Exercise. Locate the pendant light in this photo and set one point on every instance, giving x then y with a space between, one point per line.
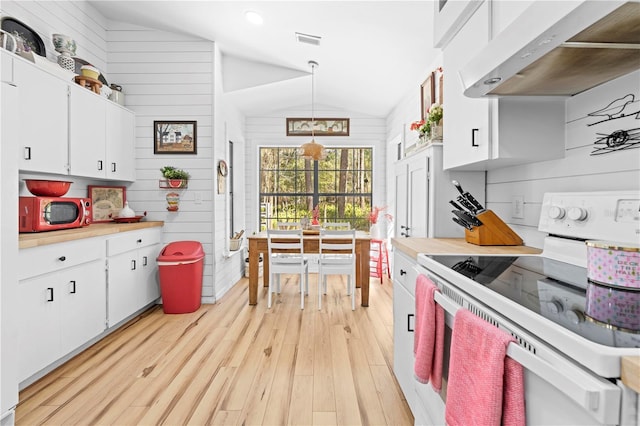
312 150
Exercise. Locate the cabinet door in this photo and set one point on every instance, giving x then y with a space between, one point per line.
83 304
403 326
418 188
43 105
148 271
120 143
87 133
401 199
39 327
123 294
466 125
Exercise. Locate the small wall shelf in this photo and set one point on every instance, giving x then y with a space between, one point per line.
173 184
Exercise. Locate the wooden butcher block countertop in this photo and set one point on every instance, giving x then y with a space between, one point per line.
36 239
412 246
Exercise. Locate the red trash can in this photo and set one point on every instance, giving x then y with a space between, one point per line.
180 267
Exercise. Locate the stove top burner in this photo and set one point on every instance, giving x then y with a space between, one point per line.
553 289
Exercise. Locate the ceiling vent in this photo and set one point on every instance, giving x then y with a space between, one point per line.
308 39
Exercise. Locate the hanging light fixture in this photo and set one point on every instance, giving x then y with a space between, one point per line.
312 150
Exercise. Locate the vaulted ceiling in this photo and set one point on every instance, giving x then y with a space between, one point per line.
370 54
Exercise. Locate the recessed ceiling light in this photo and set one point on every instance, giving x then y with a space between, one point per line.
253 17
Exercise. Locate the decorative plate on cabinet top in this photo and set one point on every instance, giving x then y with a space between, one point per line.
31 41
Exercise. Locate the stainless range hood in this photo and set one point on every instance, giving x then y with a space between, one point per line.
558 48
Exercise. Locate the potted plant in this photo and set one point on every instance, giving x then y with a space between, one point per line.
176 178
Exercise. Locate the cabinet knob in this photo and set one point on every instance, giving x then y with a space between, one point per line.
403 272
139 241
62 258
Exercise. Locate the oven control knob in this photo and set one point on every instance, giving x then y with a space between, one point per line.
575 316
556 212
577 213
555 306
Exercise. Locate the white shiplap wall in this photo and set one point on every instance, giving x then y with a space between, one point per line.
270 130
165 76
578 171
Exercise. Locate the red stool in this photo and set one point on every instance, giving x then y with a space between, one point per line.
379 260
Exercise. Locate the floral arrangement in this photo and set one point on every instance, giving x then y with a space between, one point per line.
375 211
435 113
315 215
423 127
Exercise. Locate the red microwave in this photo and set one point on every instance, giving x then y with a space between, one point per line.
39 214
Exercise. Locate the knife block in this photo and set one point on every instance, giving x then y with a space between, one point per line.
492 232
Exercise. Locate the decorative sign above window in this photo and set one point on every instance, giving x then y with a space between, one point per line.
174 137
322 126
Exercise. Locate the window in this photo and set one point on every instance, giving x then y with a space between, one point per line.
340 185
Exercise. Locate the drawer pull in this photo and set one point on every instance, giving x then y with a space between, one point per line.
473 137
27 153
403 272
62 258
409 329
49 294
133 265
113 167
99 164
73 287
145 261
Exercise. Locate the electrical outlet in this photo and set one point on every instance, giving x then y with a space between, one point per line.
517 207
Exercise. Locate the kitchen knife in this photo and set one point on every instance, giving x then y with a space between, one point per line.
456 205
469 218
462 223
468 197
467 205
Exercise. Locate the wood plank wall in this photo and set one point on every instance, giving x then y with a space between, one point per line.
165 76
578 171
270 130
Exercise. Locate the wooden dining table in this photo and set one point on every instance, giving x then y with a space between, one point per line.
258 245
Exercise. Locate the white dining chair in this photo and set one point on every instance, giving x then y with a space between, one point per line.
336 225
337 257
288 225
286 256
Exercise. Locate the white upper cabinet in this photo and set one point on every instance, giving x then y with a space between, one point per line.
68 129
481 134
44 118
120 138
87 133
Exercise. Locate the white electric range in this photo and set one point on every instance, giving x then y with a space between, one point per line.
572 363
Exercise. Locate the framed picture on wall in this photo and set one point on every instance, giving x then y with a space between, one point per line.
427 95
321 126
175 137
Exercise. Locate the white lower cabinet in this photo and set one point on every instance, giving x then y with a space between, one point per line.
426 405
132 272
62 303
404 277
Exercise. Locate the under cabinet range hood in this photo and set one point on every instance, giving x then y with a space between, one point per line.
558 48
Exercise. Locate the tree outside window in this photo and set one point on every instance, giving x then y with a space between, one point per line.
340 185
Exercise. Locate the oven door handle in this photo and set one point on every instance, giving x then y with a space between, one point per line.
596 395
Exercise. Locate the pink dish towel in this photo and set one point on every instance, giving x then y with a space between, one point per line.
485 386
428 337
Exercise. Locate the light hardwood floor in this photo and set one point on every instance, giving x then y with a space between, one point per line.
231 363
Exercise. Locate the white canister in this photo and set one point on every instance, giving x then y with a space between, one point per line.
116 94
